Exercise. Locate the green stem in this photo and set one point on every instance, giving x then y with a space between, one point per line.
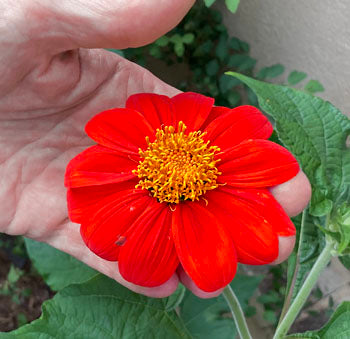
237 313
289 295
305 291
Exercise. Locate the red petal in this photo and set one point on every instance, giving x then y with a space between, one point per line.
257 163
121 129
82 201
204 247
192 109
148 257
238 124
215 112
99 165
266 206
157 109
105 231
253 234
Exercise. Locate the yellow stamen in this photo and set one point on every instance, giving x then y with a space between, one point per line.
177 166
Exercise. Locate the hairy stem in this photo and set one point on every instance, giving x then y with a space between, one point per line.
305 291
289 295
237 313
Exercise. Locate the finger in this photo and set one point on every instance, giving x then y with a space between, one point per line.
293 195
285 245
68 240
188 282
108 23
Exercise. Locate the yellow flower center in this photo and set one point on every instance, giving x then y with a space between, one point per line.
177 166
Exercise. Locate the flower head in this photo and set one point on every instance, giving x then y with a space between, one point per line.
177 181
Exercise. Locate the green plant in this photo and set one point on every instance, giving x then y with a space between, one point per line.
93 306
201 43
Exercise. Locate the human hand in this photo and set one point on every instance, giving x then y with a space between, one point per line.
52 84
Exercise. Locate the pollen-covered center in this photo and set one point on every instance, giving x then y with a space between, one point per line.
178 166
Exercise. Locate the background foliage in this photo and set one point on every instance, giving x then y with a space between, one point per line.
88 305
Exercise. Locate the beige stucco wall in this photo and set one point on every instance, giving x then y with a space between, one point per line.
311 36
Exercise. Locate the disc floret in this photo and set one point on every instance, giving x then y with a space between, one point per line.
178 166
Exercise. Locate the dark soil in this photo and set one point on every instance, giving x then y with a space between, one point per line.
20 302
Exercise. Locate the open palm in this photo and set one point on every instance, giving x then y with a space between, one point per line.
52 84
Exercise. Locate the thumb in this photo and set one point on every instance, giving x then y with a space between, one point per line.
108 23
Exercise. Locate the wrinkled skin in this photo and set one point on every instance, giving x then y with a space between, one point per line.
52 84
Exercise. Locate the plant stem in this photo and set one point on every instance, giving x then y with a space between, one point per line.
237 313
305 290
289 295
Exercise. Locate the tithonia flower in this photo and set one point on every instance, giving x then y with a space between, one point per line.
177 181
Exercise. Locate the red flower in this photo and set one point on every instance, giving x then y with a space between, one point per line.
156 192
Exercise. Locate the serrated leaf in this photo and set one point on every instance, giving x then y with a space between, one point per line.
232 5
208 3
314 131
310 242
338 326
314 86
270 72
295 77
57 268
205 318
101 308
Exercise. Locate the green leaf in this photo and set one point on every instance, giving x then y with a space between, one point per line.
270 72
314 86
345 260
57 268
207 318
221 50
162 41
203 49
101 308
310 242
295 77
270 297
241 62
14 274
179 49
188 38
212 67
155 51
232 5
21 319
226 83
234 98
315 132
252 98
238 45
270 316
208 3
338 326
